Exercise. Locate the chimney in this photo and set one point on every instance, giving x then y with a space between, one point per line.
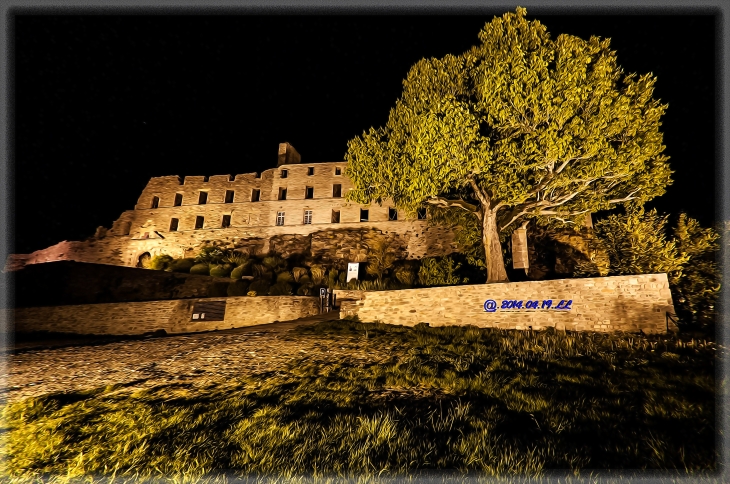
288 155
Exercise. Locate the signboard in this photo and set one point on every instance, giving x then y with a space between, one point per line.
322 292
352 270
520 259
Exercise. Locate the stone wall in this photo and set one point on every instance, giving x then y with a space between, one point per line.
620 303
174 316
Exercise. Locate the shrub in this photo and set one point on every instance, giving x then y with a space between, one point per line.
210 255
251 293
220 270
305 289
237 272
260 271
332 278
343 276
260 287
280 289
405 275
317 274
238 288
181 265
237 258
380 258
160 262
298 272
284 277
275 263
201 269
436 271
305 279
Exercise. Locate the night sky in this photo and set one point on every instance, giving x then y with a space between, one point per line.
104 103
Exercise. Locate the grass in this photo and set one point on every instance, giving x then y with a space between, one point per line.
449 399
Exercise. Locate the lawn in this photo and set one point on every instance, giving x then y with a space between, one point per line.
450 400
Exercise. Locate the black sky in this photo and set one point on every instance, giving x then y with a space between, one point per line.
103 103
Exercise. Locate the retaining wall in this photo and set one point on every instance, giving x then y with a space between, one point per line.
134 318
620 303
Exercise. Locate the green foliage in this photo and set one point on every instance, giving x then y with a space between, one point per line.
280 289
332 276
237 258
238 272
275 263
260 286
238 288
467 231
298 272
439 271
380 258
317 272
260 271
342 278
220 270
305 279
182 265
306 289
285 276
210 255
202 269
406 275
527 126
160 262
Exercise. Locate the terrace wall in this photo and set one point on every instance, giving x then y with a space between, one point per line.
620 303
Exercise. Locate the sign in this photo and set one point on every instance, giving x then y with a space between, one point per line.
322 292
511 305
352 270
520 259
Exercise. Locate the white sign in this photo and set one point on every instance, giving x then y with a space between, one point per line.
322 292
352 270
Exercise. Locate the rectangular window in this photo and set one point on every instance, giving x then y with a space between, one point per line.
178 199
209 311
279 218
310 171
199 222
173 225
309 192
335 216
338 171
421 214
255 195
226 221
307 216
363 215
229 196
392 214
155 202
337 190
203 198
231 177
282 193
284 173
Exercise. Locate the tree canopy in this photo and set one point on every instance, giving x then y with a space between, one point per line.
519 127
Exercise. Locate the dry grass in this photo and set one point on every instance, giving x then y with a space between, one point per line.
450 399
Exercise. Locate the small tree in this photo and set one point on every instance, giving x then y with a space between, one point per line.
380 258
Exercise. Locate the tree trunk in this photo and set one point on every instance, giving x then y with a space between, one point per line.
492 248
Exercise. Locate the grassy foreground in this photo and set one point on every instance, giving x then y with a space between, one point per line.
451 399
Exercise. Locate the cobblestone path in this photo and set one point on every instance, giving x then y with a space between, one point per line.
197 359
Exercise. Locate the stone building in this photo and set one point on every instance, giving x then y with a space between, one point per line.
294 208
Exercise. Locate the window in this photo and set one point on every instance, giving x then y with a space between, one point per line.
282 193
257 175
199 222
310 171
155 202
363 215
209 311
205 179
226 221
392 214
229 196
279 218
231 177
309 192
173 225
178 199
335 216
337 190
203 198
421 214
126 227
307 216
338 171
255 195
283 173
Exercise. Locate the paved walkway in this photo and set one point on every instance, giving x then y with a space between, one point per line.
195 359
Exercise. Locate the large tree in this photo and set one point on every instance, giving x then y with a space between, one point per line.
519 127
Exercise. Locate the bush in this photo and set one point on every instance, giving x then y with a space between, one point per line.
280 289
332 278
380 258
238 288
241 271
237 258
284 277
251 293
275 263
209 255
317 274
341 279
201 269
160 262
305 279
305 289
298 272
405 275
220 270
181 265
436 271
260 287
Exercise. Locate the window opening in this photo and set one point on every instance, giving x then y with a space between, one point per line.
310 171
231 177
226 221
335 216
255 195
309 192
257 175
279 218
178 199
283 173
282 193
421 214
338 171
199 222
307 216
203 198
392 214
173 225
229 196
337 190
205 179
155 202
363 215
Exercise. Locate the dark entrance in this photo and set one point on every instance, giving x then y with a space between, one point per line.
143 260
